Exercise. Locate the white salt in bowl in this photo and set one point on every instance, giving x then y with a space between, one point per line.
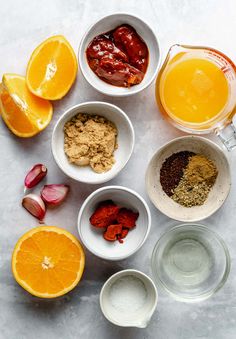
218 192
122 154
114 309
92 237
106 24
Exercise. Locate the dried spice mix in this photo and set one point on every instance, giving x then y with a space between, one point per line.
188 177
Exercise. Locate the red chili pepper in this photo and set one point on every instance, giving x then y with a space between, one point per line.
127 218
104 215
124 233
112 232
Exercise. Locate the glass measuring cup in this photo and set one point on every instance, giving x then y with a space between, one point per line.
219 123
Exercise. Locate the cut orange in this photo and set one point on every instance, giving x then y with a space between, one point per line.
52 68
24 113
48 261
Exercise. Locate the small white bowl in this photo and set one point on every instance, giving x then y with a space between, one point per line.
125 140
92 237
139 318
106 24
218 193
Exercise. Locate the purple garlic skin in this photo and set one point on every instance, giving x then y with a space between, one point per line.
54 194
35 175
34 205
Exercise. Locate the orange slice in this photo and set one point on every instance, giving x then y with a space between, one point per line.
52 68
24 113
48 261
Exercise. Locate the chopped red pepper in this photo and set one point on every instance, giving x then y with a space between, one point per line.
123 234
112 232
104 215
117 221
127 218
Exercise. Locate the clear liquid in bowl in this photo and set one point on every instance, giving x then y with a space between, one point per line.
190 262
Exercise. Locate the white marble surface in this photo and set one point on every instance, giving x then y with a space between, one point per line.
77 315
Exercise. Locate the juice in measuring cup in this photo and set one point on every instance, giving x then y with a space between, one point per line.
193 89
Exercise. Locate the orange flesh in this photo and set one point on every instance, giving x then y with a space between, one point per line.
14 116
48 263
52 69
24 113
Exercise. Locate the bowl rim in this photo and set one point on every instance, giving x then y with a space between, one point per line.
111 188
202 296
113 107
115 277
117 94
209 143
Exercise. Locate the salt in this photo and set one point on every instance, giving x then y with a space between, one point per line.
128 294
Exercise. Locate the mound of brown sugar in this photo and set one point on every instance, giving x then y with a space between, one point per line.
90 140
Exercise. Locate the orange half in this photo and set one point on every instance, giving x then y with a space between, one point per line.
48 261
24 113
52 68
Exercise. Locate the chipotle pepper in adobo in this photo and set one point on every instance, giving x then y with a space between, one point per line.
119 57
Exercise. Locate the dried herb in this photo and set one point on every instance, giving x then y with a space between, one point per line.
187 178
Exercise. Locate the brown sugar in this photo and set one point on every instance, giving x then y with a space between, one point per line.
90 140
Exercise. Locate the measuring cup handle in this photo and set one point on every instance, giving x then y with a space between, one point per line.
228 136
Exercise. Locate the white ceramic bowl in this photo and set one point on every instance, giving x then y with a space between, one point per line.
92 237
135 319
125 141
106 24
218 193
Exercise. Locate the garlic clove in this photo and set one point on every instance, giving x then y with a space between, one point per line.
35 175
54 194
34 205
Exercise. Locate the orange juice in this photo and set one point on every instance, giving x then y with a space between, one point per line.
193 90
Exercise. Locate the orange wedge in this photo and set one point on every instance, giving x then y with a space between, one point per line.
52 68
24 113
48 261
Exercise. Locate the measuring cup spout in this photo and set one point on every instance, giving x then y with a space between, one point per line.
144 322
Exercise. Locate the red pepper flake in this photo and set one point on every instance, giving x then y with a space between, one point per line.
117 221
124 233
112 232
105 214
127 218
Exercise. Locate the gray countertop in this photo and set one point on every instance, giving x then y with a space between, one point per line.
23 25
